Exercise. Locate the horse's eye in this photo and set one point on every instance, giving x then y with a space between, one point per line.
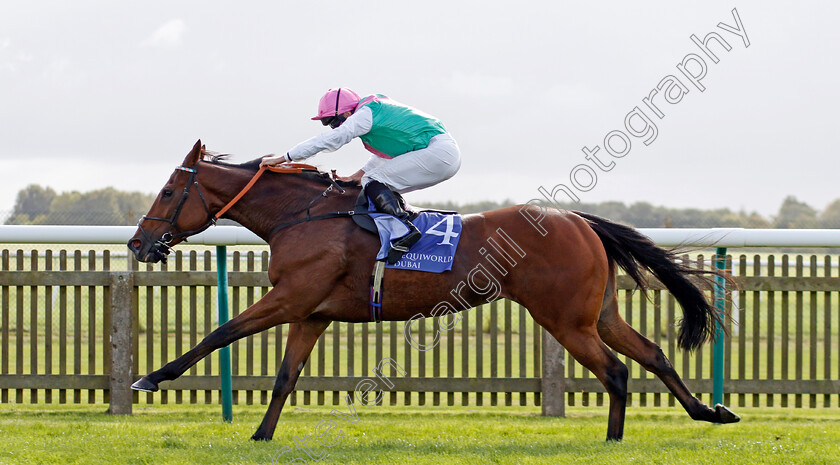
166 193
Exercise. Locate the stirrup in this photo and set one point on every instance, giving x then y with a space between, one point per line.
395 253
402 245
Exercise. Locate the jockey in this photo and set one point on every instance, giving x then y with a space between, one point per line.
411 150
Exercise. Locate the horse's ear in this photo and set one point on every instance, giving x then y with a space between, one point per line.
194 156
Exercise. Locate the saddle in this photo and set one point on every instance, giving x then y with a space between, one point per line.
361 212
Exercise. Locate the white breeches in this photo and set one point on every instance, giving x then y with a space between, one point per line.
419 169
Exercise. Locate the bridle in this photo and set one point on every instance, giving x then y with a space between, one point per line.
164 243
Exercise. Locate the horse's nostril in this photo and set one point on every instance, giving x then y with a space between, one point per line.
135 244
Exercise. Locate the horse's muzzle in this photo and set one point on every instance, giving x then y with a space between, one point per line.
148 252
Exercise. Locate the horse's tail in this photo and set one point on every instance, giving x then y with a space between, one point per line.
633 251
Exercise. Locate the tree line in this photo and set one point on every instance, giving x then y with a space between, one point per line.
42 205
103 207
792 214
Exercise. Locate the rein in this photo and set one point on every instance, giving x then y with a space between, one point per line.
168 237
286 168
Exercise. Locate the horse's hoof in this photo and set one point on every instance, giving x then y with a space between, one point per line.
725 415
259 437
144 385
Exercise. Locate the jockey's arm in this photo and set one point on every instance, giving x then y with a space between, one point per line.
371 164
357 176
357 124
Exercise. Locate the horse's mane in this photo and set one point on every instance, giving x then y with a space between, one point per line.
254 165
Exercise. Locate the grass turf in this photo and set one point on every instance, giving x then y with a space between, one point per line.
181 434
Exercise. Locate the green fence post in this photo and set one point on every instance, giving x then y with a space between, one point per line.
224 352
720 301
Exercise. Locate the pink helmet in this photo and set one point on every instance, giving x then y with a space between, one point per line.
336 102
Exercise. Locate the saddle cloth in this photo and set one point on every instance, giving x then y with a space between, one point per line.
435 250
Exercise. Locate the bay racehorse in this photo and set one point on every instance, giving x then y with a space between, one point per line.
559 265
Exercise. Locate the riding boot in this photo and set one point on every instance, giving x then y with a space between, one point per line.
386 201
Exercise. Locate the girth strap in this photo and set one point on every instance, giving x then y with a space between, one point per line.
376 291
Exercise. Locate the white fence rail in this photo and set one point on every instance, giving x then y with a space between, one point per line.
237 235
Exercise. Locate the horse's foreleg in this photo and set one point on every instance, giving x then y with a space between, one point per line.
264 314
621 337
301 340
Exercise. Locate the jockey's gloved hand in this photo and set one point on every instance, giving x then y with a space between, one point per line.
274 160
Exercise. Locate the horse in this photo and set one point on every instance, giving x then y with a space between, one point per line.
560 265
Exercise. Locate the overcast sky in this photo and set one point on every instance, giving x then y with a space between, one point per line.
96 94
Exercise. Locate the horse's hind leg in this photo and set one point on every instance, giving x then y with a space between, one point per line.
588 349
301 340
583 343
617 334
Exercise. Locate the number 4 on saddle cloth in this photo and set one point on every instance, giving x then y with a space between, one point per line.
434 251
